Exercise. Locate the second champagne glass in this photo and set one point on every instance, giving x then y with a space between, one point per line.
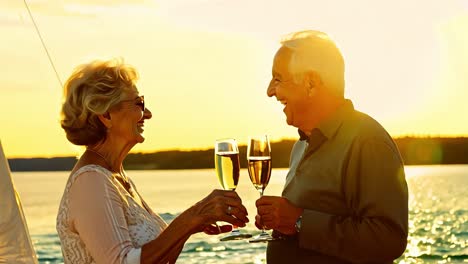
227 168
259 166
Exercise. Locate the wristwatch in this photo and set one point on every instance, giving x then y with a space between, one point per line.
298 224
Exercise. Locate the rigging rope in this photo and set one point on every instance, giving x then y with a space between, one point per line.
43 43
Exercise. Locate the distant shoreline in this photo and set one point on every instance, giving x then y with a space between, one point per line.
414 151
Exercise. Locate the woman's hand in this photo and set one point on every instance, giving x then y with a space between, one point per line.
219 205
215 229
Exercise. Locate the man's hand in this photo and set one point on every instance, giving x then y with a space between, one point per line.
277 213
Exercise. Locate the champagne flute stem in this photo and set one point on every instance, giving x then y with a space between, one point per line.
235 228
261 195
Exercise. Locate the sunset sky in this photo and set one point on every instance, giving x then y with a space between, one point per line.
205 64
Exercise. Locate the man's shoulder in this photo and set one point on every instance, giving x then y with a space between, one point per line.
363 126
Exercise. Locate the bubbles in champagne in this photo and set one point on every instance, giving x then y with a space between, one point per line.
227 168
259 171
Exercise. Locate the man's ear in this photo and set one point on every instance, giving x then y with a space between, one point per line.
105 119
313 82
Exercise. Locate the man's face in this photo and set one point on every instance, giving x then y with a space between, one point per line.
292 95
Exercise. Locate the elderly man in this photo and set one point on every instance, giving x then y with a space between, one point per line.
345 199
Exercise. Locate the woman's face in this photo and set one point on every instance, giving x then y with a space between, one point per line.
128 119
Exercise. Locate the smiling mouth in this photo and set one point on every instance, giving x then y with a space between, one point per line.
284 103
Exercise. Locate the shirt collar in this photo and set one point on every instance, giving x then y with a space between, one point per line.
330 126
302 135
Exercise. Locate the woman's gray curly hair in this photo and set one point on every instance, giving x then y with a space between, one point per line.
91 90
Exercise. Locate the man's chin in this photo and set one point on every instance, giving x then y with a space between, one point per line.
291 123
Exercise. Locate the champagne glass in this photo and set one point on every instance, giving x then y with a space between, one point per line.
259 166
227 168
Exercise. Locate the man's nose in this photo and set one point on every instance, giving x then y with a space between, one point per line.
271 90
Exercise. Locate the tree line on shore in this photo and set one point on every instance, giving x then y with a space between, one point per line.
414 151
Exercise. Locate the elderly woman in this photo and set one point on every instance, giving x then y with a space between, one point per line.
102 217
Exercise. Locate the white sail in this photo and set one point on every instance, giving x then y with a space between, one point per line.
15 242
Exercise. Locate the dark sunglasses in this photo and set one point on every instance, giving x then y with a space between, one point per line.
140 103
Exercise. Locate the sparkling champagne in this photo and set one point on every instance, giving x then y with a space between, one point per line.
259 166
227 168
259 171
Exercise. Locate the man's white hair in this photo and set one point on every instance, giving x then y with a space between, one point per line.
315 51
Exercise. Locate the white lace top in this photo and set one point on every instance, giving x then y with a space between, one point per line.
100 222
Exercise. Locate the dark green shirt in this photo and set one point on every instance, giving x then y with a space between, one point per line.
349 178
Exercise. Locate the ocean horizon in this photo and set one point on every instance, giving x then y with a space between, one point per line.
438 217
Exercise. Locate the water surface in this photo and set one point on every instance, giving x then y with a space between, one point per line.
438 220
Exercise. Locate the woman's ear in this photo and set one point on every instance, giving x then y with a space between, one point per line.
105 119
